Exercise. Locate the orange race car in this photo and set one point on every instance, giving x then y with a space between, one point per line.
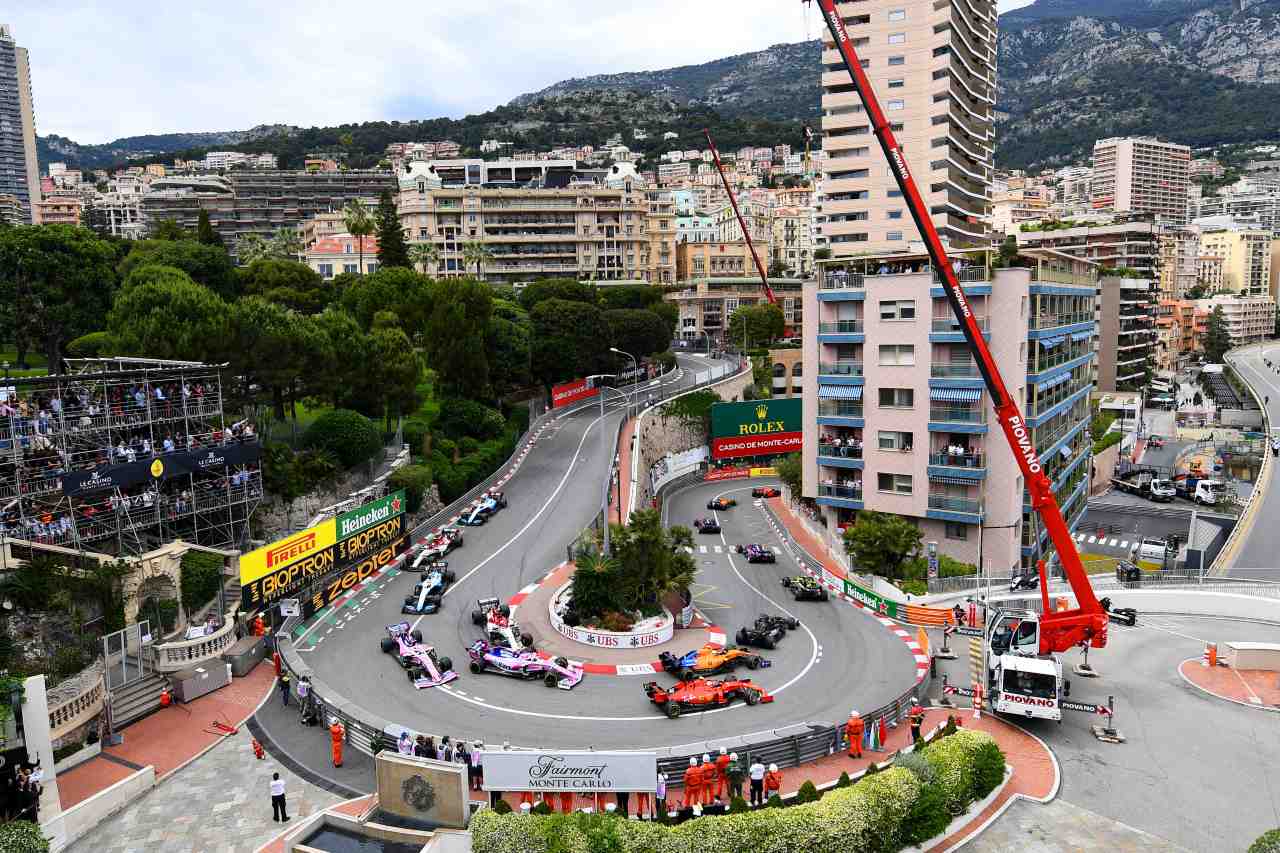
711 659
701 693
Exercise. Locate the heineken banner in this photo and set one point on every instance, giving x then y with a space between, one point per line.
359 520
870 600
212 459
756 428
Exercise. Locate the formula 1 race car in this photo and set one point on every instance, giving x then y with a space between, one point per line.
766 632
805 588
766 492
499 628
428 592
554 673
420 662
706 525
701 693
437 545
710 660
482 507
757 553
721 503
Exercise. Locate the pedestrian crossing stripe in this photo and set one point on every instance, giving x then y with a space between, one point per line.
1093 539
1124 544
702 549
719 550
1114 542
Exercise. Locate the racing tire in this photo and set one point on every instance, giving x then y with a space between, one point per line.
476 667
793 623
563 663
446 664
477 618
450 576
526 640
551 680
416 634
753 662
672 709
768 643
437 600
741 638
409 601
412 672
750 696
686 675
825 596
387 645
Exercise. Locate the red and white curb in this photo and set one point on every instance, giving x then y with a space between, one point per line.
823 576
715 634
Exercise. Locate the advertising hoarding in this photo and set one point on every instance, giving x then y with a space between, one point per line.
756 428
375 512
569 770
572 392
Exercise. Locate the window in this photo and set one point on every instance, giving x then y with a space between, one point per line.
897 14
897 398
896 127
895 214
897 60
351 268
894 193
895 441
897 483
897 355
370 268
326 270
956 530
897 83
893 235
897 38
900 309
896 104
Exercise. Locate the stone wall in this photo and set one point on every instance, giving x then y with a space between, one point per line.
1104 468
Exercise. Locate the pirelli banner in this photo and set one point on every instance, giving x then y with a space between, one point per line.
756 428
301 561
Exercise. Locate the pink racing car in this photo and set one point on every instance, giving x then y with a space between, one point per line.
555 672
419 661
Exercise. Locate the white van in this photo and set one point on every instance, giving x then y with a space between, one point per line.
1151 550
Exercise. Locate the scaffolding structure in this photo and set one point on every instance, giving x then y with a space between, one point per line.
122 455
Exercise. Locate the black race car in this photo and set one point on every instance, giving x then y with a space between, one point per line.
721 503
805 588
757 553
706 525
766 492
767 631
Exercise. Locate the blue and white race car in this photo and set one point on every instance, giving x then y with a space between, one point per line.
428 593
483 507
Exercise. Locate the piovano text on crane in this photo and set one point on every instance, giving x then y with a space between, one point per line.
1025 446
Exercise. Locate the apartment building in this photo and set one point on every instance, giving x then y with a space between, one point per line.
1132 243
1141 175
1186 322
1236 260
19 170
11 211
1126 325
583 229
335 254
1249 319
933 69
1178 250
792 244
1009 209
897 385
118 214
61 209
706 303
756 213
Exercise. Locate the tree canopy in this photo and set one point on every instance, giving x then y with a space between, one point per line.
393 251
567 289
1217 340
162 313
637 331
882 544
764 324
208 265
570 339
290 283
455 336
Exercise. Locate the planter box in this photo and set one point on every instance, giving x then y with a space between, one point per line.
78 757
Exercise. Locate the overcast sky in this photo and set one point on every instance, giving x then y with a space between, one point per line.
103 70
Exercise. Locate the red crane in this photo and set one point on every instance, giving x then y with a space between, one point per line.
1063 630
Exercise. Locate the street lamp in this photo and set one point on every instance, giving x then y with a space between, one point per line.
636 375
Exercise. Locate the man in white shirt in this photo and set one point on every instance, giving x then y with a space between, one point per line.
756 772
278 810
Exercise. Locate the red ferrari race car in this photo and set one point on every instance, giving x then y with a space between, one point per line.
701 693
766 492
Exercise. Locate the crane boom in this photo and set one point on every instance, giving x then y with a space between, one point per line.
764 278
1060 631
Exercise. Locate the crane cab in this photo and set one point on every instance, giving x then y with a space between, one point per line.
1021 681
1014 632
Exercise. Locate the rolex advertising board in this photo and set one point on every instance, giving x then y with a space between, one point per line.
756 428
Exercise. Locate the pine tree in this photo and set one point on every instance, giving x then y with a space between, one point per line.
205 233
1217 340
393 251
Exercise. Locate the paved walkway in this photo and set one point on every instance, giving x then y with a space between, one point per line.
169 738
1060 827
1256 688
625 442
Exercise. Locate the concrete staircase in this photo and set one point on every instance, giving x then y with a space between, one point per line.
133 701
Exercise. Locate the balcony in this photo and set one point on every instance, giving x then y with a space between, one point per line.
951 324
958 414
1053 321
841 327
841 280
839 409
954 371
830 490
840 368
958 460
965 506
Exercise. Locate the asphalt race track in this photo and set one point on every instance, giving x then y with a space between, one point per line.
840 658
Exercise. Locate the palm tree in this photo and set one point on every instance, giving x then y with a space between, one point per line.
286 244
425 254
359 225
251 247
475 252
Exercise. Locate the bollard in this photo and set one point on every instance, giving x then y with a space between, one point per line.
945 701
977 701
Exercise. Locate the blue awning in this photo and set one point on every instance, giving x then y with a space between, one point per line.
839 392
1082 336
955 395
1050 343
1053 382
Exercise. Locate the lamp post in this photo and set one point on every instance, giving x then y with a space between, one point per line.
635 381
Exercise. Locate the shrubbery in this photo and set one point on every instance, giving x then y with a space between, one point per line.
22 836
349 436
201 574
1268 842
415 480
905 804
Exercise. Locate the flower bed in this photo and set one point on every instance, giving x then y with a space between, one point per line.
883 812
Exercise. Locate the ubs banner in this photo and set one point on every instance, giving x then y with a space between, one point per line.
756 428
555 770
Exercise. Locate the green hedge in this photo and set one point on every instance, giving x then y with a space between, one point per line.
201 573
349 436
22 836
880 814
1106 441
415 480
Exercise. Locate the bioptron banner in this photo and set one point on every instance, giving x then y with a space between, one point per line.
572 392
756 428
290 564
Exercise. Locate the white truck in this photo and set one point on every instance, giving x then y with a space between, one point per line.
1020 681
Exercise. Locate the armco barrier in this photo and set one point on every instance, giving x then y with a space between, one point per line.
1227 556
